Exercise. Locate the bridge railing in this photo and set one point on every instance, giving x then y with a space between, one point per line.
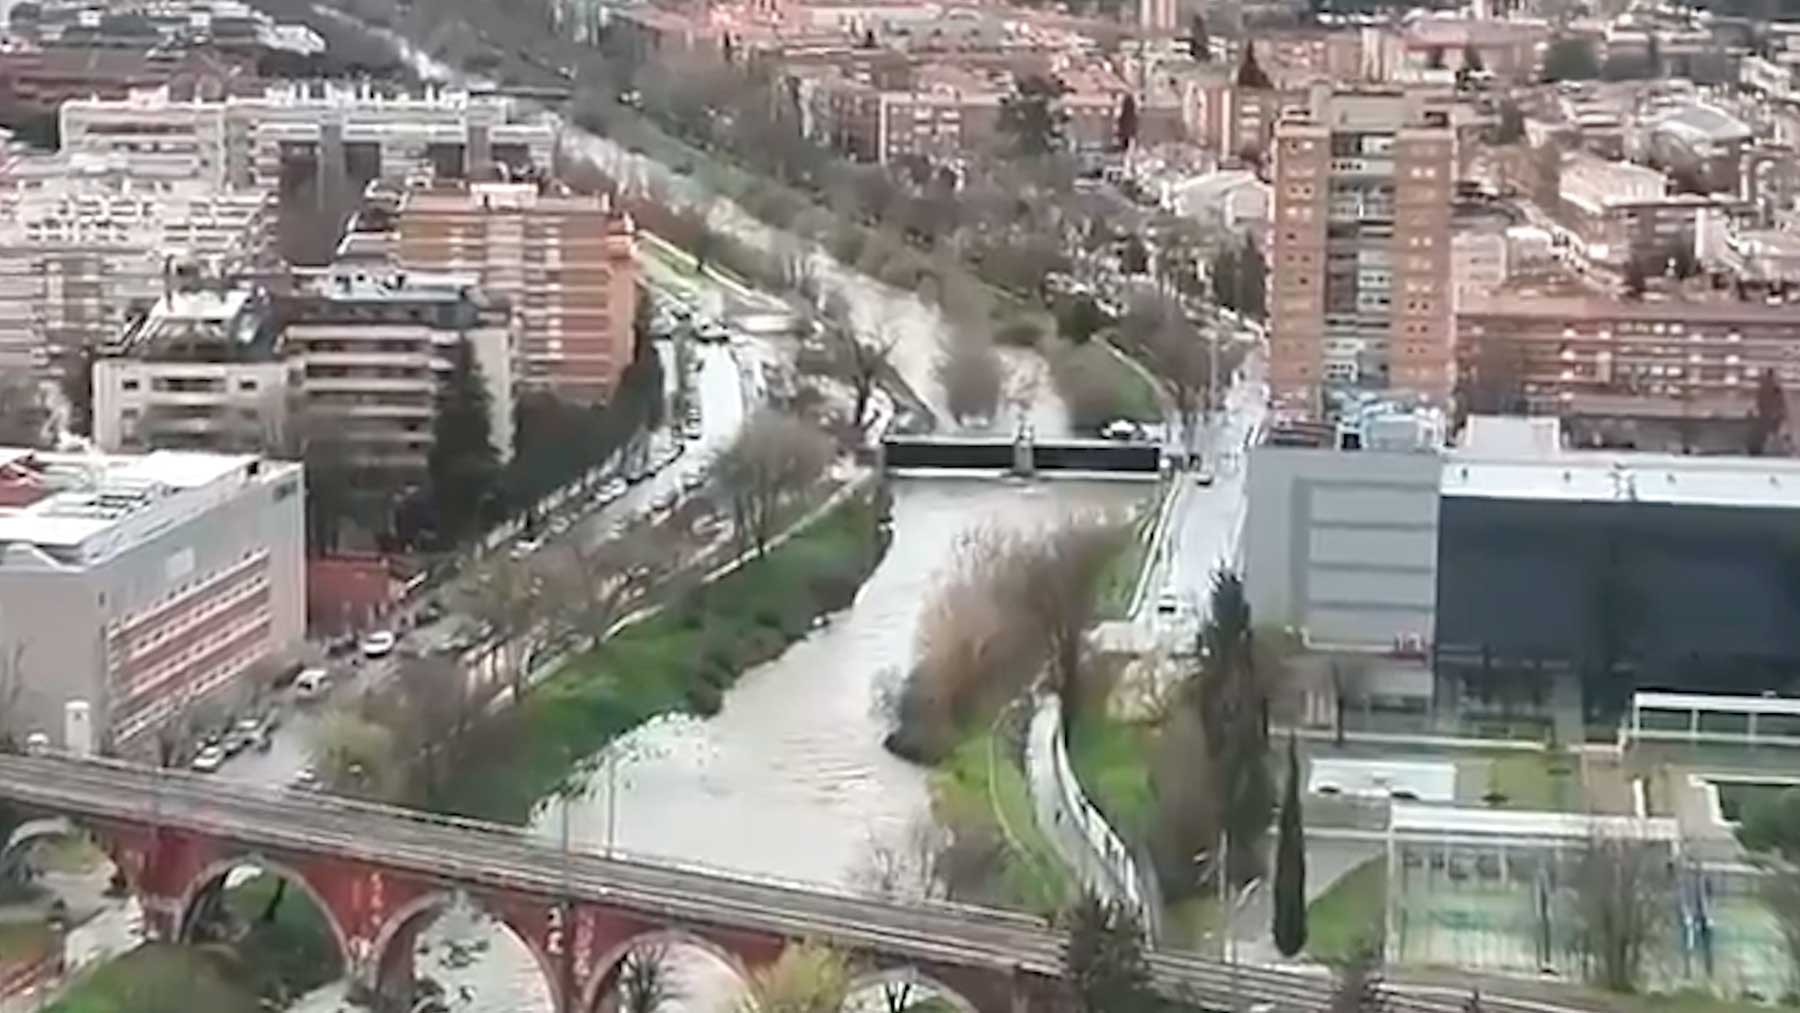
341 805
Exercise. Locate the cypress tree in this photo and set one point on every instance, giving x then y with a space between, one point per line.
1290 866
464 465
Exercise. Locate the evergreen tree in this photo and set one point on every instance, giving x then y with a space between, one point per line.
1232 703
1199 43
1770 413
1571 59
1249 73
463 464
1290 865
1105 959
1128 123
1033 117
1252 280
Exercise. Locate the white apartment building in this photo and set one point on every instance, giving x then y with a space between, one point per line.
241 140
136 584
85 237
199 371
356 356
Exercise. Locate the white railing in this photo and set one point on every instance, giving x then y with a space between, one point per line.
1088 843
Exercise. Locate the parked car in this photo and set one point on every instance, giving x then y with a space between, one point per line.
208 760
379 644
312 684
306 778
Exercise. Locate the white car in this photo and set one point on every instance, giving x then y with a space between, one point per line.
379 644
1170 603
208 760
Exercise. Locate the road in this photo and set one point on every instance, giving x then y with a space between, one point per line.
468 852
722 384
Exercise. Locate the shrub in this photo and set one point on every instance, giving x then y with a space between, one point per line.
705 699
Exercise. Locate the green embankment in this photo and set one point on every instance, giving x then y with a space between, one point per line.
681 660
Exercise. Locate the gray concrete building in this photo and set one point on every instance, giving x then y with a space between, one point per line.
138 584
1341 545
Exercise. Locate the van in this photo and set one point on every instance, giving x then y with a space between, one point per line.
311 684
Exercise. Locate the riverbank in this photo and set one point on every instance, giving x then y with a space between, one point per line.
979 795
680 660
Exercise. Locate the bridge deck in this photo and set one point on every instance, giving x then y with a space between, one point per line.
472 853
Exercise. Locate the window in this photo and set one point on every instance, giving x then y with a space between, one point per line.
247 384
129 385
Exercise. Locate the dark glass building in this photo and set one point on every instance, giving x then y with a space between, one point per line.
1629 571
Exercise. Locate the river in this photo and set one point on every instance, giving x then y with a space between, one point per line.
789 780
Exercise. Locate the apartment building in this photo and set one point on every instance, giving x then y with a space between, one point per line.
85 238
1673 353
43 79
564 264
1360 277
364 130
137 584
373 350
198 371
354 355
1622 212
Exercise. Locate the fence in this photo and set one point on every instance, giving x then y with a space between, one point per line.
1077 828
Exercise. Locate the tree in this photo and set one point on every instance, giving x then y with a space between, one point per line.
1636 278
1621 895
1249 73
774 459
596 581
1290 865
463 463
1252 280
24 418
1773 825
857 359
1199 43
1511 126
1188 814
1781 895
1051 589
1232 703
1770 413
1033 116
355 755
506 597
429 710
1358 980
969 370
1134 258
1653 55
647 982
1571 59
1079 318
1104 962
1127 129
806 978
1174 350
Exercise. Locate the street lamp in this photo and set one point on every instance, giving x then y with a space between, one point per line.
1215 864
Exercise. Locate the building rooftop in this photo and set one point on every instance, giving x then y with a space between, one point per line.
1585 308
1602 476
69 510
1704 123
1474 825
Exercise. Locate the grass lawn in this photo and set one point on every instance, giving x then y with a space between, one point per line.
1111 758
1546 781
1349 913
23 942
1030 876
159 978
681 660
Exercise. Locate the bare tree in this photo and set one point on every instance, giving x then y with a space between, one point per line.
1781 894
905 865
505 596
24 417
774 460
1051 588
1176 352
429 711
647 981
355 755
969 370
12 692
595 582
1620 899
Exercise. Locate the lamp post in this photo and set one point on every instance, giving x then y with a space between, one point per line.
1215 864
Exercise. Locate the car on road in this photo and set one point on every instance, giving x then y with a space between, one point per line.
208 760
712 333
1169 603
525 547
693 480
379 644
312 684
667 501
306 779
1203 476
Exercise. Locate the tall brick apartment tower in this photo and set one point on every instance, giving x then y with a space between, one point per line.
1360 277
563 262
